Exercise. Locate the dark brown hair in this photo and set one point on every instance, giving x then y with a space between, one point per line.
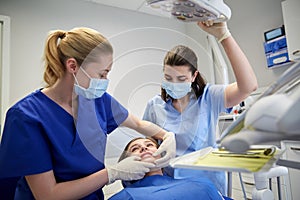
183 56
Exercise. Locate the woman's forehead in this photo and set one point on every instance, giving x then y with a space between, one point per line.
103 63
177 70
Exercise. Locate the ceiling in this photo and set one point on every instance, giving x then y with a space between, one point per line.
134 5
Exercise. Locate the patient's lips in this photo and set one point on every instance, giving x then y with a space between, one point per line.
147 157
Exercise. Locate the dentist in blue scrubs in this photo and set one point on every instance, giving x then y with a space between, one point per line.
189 107
54 139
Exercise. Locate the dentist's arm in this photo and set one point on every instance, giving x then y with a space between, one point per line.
245 78
44 185
149 129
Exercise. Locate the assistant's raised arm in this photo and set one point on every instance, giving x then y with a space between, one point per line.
246 81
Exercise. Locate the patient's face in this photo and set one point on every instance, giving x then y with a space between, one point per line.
143 148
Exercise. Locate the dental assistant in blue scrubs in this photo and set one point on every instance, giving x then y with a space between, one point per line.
54 139
189 107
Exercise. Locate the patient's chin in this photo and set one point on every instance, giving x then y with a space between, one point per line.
151 160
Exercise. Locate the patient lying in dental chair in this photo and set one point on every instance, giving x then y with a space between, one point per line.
156 185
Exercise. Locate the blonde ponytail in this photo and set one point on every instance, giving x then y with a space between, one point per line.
82 44
54 66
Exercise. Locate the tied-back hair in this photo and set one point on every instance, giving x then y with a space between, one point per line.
126 153
82 44
183 56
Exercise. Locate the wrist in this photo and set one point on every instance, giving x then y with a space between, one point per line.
226 35
110 175
106 173
167 134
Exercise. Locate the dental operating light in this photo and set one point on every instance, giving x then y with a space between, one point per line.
192 10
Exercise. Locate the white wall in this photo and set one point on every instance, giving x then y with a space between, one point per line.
32 19
250 19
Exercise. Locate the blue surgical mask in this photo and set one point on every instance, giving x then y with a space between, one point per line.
96 89
176 90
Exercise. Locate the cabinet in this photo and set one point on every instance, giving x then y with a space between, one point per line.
291 19
293 179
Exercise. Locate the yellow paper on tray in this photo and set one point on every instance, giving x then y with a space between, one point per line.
252 161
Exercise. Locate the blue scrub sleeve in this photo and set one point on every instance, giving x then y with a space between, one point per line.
148 114
217 98
116 114
24 149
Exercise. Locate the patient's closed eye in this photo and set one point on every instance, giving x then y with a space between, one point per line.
134 148
150 145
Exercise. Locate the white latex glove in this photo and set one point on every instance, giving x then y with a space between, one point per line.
130 168
168 147
219 30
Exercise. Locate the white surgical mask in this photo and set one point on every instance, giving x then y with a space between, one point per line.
96 89
176 90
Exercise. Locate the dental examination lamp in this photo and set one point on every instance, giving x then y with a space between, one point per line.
192 10
275 116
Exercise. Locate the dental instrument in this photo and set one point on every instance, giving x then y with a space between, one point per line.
192 10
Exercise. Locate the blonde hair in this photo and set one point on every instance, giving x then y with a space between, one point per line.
79 43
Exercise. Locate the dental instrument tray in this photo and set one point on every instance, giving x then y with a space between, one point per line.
192 10
258 158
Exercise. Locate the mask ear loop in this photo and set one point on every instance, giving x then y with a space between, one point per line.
85 72
75 79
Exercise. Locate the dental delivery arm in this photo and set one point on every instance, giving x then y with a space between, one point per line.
273 117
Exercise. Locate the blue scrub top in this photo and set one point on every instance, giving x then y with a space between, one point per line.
39 136
165 188
194 128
